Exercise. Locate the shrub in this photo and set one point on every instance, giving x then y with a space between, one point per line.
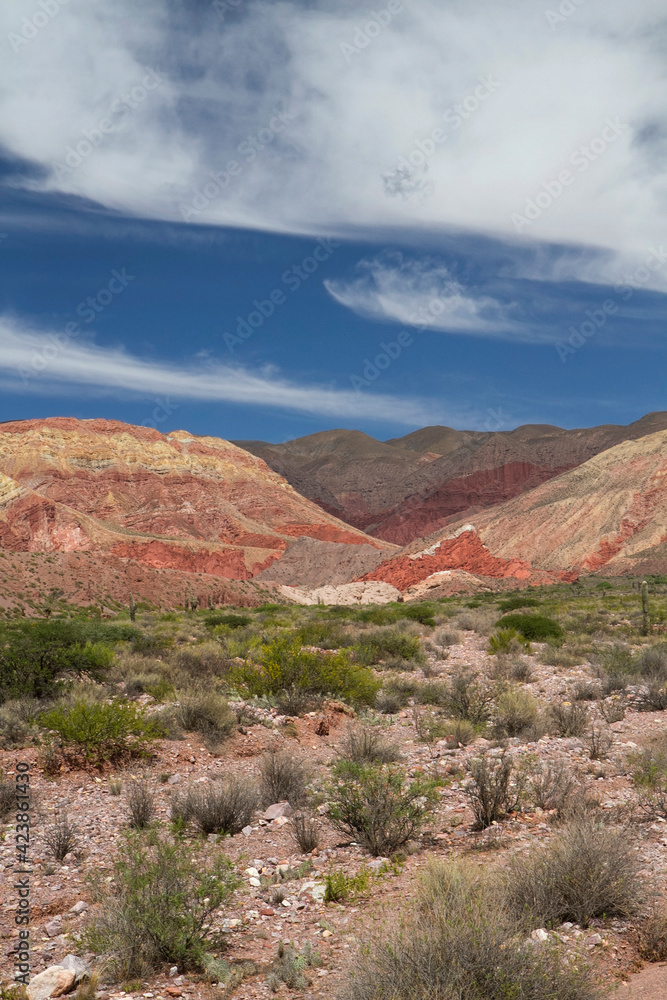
289 968
283 778
588 870
481 620
550 785
653 697
653 937
390 700
462 942
535 628
306 831
599 743
283 664
516 713
383 644
30 665
517 601
339 887
294 701
568 718
651 663
467 698
552 656
368 745
447 637
214 619
158 907
378 806
586 691
140 805
507 640
17 720
98 734
7 798
62 837
207 713
493 790
224 807
650 780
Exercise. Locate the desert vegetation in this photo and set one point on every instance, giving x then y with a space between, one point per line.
232 793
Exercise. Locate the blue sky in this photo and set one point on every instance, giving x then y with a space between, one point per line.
262 220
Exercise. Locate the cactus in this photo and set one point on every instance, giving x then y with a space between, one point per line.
645 609
133 608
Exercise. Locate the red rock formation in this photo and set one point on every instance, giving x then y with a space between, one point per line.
196 505
464 551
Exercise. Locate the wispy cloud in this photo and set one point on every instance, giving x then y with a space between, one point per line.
41 361
422 293
350 119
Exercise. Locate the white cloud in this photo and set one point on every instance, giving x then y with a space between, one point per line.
41 361
422 293
354 116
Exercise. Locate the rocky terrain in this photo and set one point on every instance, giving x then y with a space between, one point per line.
325 904
408 488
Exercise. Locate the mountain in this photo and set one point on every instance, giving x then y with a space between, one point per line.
177 503
607 515
410 487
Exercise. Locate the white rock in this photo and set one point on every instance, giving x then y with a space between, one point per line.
253 872
246 831
255 882
540 935
53 982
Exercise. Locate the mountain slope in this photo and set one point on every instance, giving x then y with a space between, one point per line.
178 502
410 487
608 514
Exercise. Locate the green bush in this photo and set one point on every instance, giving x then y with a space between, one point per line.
223 807
379 806
31 662
382 644
535 628
507 640
517 601
213 619
494 789
158 907
97 734
461 941
283 664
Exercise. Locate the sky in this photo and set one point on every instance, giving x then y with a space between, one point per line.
261 220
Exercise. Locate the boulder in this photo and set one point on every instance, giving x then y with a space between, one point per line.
53 982
278 810
76 965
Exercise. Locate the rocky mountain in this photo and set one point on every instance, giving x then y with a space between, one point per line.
197 506
410 487
607 515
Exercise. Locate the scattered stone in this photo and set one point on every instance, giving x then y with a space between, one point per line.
76 965
79 907
278 810
53 928
175 779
